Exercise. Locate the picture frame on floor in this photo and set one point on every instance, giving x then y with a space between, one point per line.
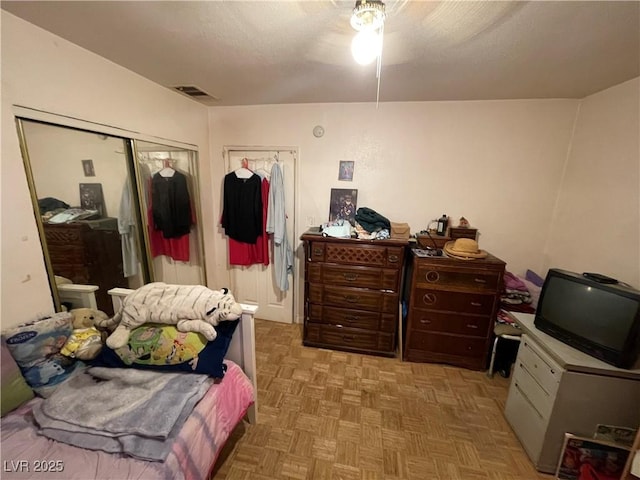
584 458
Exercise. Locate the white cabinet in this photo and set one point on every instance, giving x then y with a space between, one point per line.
557 389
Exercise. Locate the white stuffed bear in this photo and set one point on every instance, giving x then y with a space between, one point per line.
192 308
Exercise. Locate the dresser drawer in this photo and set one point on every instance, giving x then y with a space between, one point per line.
475 303
447 344
63 254
355 276
332 335
351 318
541 367
468 280
367 255
65 235
430 321
357 298
537 396
526 421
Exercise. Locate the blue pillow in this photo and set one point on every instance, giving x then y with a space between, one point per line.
155 346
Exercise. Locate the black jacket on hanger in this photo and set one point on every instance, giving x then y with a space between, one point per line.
242 207
171 205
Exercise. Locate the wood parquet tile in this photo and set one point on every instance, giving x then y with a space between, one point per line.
328 415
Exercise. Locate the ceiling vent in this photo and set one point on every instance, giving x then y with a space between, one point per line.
197 94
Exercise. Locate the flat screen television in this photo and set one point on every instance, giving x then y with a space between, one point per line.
600 319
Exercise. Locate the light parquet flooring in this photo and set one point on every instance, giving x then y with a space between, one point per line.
332 415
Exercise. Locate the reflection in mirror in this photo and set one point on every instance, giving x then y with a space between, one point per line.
87 208
168 177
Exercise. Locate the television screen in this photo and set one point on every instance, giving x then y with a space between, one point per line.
600 319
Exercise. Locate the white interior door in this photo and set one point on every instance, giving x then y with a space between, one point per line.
256 284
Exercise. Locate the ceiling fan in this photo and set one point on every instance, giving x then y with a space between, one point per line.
412 29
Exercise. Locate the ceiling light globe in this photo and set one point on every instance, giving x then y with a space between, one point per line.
366 46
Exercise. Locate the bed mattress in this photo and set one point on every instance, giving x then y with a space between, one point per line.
27 455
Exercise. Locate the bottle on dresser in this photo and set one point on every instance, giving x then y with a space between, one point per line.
443 221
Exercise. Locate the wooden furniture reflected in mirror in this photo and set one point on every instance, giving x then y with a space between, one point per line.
88 231
100 230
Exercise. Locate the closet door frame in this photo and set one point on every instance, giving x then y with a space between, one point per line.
22 113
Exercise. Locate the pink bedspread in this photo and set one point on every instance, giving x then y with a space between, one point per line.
27 455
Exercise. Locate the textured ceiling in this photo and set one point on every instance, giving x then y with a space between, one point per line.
250 53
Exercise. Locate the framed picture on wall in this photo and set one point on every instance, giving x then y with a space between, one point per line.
345 172
87 168
91 198
590 458
343 204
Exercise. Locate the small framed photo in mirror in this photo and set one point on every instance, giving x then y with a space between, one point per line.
87 167
91 198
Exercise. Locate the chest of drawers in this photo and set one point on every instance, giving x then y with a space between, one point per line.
88 253
556 389
452 307
352 293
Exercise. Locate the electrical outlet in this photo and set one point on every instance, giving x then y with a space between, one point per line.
311 222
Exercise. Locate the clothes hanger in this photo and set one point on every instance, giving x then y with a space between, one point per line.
168 170
243 171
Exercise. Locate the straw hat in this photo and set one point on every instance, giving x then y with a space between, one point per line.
464 249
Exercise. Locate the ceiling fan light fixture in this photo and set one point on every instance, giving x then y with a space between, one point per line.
366 46
368 19
368 15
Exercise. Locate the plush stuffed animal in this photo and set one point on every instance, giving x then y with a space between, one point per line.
192 308
85 341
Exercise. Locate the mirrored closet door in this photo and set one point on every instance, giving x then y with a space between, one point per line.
95 207
168 183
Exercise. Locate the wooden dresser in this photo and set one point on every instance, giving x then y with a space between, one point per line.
352 293
88 253
452 306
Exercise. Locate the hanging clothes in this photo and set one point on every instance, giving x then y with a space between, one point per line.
242 208
170 192
127 229
171 204
277 225
241 253
177 248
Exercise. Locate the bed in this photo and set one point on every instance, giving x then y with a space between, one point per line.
27 455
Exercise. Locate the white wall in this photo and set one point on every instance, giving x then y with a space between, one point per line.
497 163
43 71
56 154
597 219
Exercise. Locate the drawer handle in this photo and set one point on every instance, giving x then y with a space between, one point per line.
476 304
432 276
469 348
425 321
393 258
480 280
351 298
351 318
429 298
317 251
350 276
470 325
